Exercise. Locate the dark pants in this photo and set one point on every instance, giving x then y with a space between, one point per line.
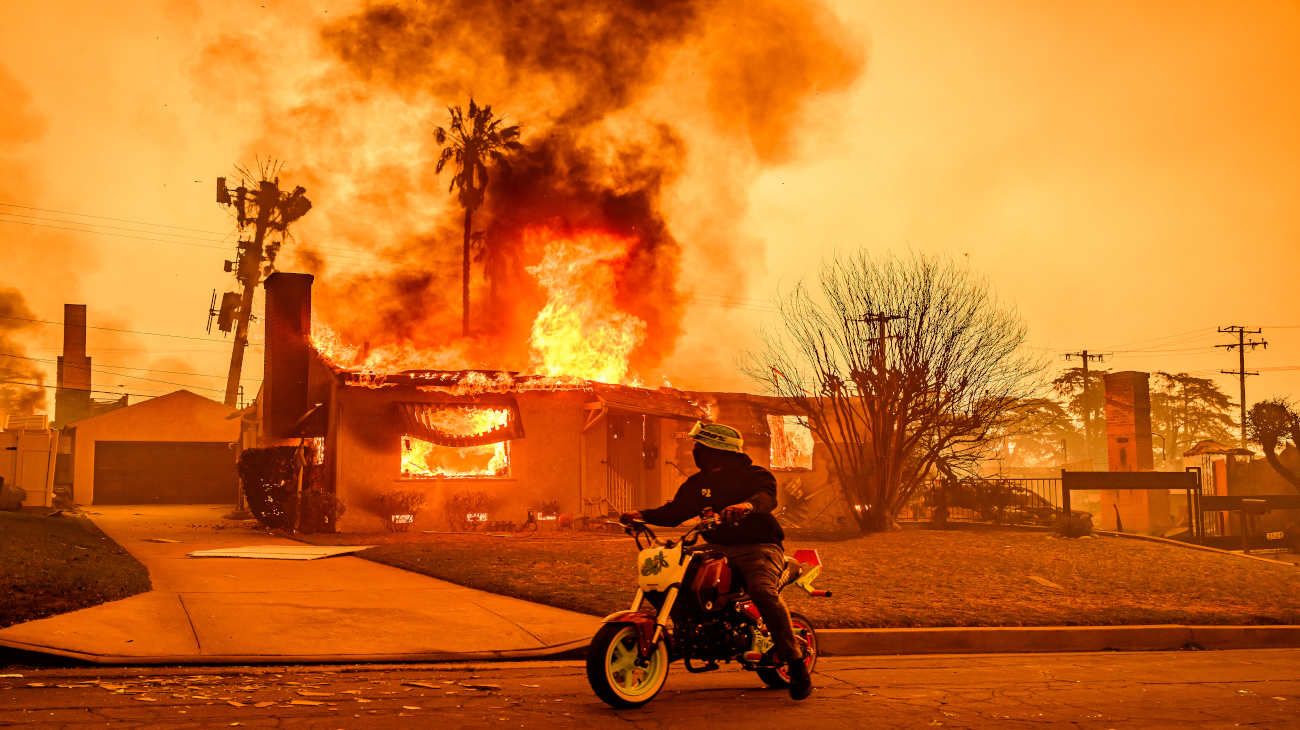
762 566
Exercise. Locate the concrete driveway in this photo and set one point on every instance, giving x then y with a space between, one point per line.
232 610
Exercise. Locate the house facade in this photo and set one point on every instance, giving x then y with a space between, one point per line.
493 446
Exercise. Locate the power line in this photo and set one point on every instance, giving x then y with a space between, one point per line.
101 370
106 217
79 390
116 329
1165 339
105 233
120 367
1199 349
98 229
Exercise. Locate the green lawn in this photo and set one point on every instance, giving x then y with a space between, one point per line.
974 576
50 565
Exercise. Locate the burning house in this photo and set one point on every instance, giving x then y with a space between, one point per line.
492 445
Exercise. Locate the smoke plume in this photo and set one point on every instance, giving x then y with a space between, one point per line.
621 104
16 399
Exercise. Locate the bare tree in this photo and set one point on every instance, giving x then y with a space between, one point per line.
1273 423
904 368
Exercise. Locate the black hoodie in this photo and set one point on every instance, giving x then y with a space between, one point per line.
728 481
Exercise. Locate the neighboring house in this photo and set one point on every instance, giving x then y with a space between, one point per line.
178 448
507 442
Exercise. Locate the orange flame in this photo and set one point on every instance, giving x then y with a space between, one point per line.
424 460
581 331
385 359
792 443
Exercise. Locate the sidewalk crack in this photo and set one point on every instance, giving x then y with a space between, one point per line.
511 621
189 619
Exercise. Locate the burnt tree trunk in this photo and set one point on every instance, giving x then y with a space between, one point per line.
464 275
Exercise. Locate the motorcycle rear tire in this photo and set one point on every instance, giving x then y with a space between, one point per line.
778 678
609 662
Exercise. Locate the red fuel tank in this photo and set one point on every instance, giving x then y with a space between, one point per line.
712 581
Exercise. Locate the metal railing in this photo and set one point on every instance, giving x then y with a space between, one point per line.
998 500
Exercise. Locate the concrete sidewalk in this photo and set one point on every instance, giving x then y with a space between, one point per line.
231 610
346 609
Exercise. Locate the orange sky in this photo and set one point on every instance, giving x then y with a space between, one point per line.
1124 173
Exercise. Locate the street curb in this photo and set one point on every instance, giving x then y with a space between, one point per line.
1194 546
1013 639
566 650
832 642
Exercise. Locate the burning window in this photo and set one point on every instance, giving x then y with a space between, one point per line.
456 441
792 443
425 460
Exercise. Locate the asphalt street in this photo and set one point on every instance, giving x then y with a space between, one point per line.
1257 688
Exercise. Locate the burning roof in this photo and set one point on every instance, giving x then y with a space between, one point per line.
476 384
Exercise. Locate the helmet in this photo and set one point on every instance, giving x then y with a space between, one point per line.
717 436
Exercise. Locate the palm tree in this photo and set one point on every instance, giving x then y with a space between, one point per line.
471 141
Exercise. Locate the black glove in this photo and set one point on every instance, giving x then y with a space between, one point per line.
736 512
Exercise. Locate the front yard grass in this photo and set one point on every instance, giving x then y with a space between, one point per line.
51 565
972 576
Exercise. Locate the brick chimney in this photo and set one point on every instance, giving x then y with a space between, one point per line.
288 343
1128 421
72 397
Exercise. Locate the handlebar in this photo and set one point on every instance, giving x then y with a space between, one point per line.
637 528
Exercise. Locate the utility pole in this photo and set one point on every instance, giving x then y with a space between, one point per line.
1086 357
881 320
1240 346
272 212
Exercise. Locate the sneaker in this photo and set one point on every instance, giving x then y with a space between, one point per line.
800 680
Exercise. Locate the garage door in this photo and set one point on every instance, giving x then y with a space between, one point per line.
164 472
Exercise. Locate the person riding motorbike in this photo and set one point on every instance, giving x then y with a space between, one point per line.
744 494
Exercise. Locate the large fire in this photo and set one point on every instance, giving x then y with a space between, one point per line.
425 460
581 331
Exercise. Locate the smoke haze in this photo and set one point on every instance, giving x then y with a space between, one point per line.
623 105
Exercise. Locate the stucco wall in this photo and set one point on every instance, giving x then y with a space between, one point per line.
547 464
179 416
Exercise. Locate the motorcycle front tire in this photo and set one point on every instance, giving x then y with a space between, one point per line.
612 670
779 677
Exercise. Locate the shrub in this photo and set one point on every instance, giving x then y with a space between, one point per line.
462 504
404 502
11 498
321 510
270 481
1076 524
